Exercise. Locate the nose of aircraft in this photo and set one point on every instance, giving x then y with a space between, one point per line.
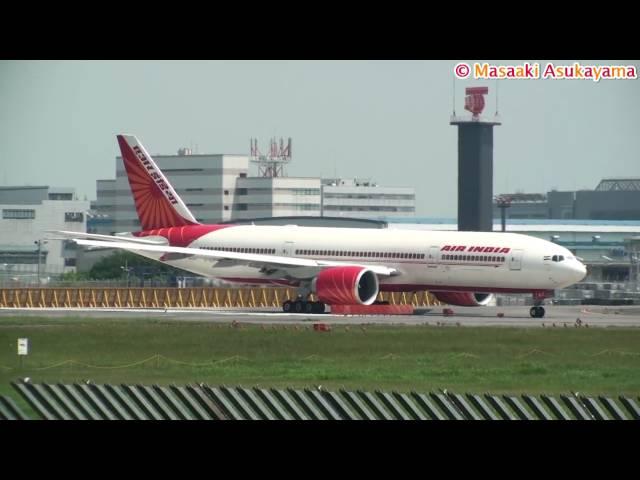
579 271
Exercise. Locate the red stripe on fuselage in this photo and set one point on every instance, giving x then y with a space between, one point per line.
182 236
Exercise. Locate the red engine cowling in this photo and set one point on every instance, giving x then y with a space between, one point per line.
464 299
346 286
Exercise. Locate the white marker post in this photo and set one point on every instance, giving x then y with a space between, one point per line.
23 349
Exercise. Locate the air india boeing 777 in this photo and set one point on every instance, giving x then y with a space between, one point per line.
342 266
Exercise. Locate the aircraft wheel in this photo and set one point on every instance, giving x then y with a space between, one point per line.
298 306
537 312
287 306
309 307
318 307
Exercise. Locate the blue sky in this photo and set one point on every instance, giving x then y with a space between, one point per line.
384 120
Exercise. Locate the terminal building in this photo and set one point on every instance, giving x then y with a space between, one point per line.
28 212
218 188
612 199
366 199
259 197
262 197
206 183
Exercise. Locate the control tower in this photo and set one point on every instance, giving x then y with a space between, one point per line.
475 164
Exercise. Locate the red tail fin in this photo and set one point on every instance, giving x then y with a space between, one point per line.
157 203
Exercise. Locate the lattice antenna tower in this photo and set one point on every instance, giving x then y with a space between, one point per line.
274 162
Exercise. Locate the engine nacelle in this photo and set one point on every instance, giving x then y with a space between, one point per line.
346 286
464 299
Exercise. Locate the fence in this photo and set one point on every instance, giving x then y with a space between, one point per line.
197 297
201 402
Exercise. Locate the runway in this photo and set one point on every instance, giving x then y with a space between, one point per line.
513 316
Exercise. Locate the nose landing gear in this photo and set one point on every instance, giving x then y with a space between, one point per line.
537 311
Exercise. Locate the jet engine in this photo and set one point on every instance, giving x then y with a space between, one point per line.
464 299
346 286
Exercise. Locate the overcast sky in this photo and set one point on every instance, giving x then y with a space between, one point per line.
384 120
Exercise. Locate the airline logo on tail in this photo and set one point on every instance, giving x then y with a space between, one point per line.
152 171
157 203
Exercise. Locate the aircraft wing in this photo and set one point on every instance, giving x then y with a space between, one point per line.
309 266
66 235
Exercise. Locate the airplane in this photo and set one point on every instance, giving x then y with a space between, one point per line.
341 266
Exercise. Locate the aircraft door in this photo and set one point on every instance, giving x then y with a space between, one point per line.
287 249
437 272
515 260
433 257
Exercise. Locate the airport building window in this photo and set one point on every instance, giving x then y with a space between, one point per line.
18 214
60 196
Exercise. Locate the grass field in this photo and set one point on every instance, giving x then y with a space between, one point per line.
422 358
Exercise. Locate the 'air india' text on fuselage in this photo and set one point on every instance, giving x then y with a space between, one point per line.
464 248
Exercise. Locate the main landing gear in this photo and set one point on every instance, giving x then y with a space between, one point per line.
537 311
302 306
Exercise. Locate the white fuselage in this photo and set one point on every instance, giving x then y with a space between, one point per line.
474 261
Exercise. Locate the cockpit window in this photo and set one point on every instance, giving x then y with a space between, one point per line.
557 258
